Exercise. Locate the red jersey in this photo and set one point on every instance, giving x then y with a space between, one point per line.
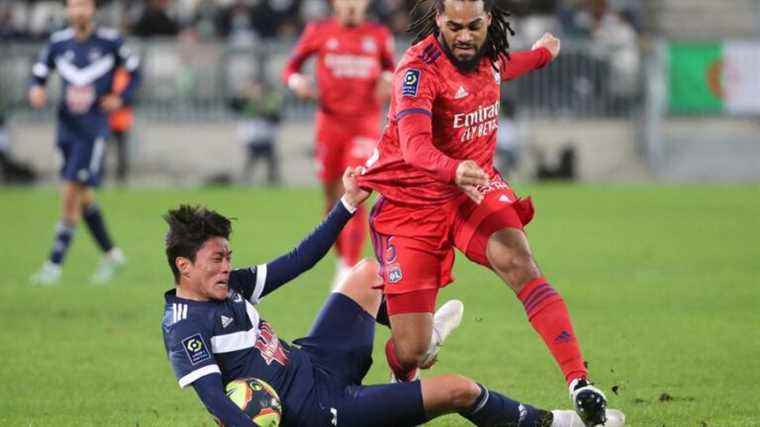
439 116
349 63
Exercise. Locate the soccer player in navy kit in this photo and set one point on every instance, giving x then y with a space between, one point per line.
214 334
86 57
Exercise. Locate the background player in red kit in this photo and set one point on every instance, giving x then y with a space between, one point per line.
353 69
434 170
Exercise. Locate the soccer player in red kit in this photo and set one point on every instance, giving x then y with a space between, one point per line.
434 170
353 69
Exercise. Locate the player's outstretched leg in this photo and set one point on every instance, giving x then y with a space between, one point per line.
486 407
510 256
444 321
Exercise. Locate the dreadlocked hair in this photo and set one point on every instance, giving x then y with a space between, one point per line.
496 44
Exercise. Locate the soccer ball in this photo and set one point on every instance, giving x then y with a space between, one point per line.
257 399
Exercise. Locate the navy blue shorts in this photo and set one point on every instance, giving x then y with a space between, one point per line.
83 157
340 346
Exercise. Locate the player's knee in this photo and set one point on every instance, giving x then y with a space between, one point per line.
361 285
462 391
411 353
509 261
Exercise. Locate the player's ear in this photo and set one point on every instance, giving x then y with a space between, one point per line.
440 20
183 265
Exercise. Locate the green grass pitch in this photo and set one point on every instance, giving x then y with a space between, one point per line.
663 283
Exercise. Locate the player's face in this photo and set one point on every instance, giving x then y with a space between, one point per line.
80 12
463 25
209 275
350 12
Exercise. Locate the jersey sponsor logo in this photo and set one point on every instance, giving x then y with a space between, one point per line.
479 122
269 345
79 99
350 66
196 349
411 82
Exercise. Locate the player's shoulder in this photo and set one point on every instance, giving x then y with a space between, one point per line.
62 36
424 54
108 34
182 317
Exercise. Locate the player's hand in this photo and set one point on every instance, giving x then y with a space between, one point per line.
37 97
301 86
354 194
468 177
111 102
549 42
384 86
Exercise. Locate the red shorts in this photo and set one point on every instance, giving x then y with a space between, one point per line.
342 142
415 246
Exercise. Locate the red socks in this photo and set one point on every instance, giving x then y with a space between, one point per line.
399 372
548 314
351 240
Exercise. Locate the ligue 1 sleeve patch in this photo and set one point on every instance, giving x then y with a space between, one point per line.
196 349
411 82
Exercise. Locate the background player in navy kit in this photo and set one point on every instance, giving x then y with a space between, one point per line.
86 58
214 334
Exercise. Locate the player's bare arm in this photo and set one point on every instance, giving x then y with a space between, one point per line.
468 177
549 42
37 96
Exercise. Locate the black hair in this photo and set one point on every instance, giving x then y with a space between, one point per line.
189 228
496 44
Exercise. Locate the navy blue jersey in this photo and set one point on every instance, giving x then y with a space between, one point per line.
87 69
230 338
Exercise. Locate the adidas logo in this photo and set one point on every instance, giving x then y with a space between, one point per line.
504 198
564 337
461 93
226 321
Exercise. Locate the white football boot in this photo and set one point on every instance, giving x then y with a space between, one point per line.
109 266
48 274
568 418
447 318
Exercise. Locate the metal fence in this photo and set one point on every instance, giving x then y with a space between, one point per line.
188 80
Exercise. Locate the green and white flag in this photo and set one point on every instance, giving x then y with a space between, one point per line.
715 77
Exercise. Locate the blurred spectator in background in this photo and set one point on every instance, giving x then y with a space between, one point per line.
509 139
155 20
11 170
259 107
121 121
617 40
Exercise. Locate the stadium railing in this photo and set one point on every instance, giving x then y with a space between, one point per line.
188 80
